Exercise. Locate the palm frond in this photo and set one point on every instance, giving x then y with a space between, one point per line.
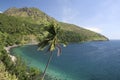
42 45
50 29
51 41
51 47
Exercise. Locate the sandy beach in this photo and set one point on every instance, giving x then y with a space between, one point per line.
9 47
13 58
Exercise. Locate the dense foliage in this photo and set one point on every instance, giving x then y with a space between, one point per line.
73 33
35 16
14 31
4 75
18 68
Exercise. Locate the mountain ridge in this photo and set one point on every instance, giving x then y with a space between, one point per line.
36 16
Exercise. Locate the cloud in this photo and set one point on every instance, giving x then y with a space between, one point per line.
106 12
95 29
106 17
68 12
1 12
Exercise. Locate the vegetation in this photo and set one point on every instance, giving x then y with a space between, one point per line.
75 33
32 15
4 75
52 42
18 69
35 16
15 31
29 25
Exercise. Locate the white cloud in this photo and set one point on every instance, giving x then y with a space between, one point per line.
1 12
107 12
106 17
68 14
95 29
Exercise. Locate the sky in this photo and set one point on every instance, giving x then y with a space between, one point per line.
102 16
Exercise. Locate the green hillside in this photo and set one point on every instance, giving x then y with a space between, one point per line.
35 16
32 15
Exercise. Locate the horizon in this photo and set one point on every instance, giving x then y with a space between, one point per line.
99 16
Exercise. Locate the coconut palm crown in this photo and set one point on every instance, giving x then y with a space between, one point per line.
51 42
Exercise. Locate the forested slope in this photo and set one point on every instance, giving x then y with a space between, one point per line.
35 16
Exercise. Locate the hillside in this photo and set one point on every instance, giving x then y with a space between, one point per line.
35 16
4 75
32 15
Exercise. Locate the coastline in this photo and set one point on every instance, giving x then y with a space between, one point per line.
9 47
13 58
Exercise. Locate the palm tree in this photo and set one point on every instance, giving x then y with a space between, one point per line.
51 42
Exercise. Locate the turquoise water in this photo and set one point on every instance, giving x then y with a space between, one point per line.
85 61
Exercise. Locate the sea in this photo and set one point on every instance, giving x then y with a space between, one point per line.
99 60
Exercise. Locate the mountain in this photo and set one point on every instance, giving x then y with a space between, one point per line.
73 32
32 15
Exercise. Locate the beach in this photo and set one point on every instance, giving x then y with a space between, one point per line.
13 58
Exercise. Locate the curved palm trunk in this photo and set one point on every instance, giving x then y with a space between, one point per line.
50 57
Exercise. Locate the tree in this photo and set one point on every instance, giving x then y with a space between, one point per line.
51 42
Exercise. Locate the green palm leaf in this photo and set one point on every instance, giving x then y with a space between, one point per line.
51 42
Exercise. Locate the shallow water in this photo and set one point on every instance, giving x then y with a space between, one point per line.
85 61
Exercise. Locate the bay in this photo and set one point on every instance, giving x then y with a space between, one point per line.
83 61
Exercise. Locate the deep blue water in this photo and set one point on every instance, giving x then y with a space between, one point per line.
85 61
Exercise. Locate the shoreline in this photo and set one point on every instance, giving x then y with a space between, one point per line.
15 45
13 58
10 47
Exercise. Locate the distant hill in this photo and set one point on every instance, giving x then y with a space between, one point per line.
73 33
